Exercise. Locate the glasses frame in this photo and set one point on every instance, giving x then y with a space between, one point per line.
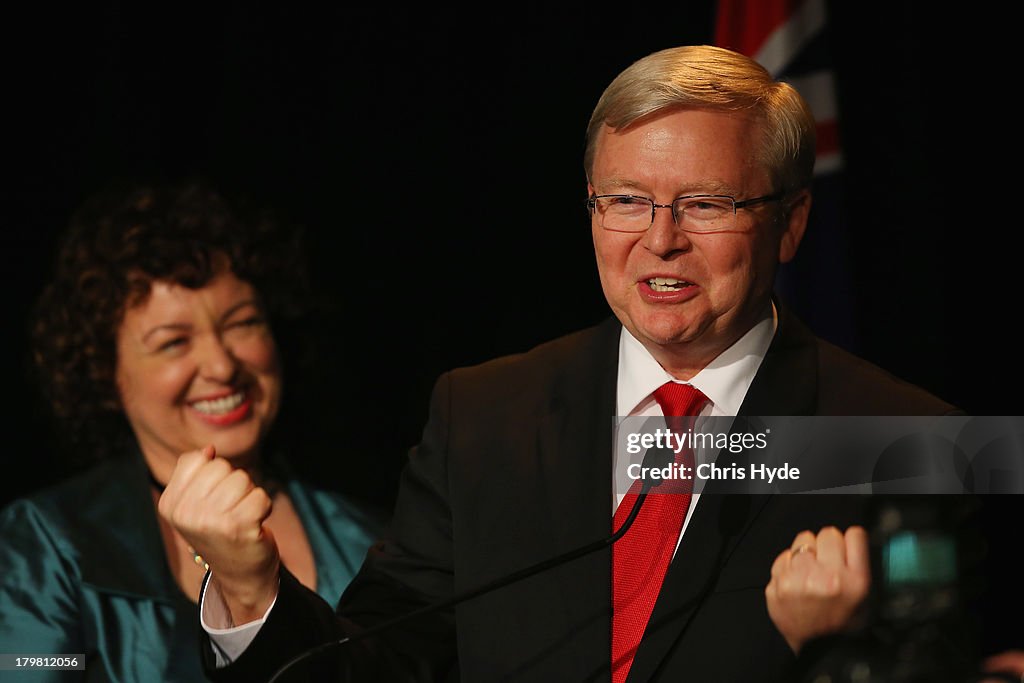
736 205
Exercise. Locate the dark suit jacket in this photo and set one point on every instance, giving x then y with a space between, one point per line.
514 467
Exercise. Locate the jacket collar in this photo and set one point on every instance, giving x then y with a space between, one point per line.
112 507
787 381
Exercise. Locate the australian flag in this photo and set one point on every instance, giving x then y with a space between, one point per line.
790 39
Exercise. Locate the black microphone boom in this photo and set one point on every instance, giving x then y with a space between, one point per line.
655 458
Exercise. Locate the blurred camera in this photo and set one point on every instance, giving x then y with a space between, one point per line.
925 567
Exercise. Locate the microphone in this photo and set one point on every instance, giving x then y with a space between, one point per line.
655 458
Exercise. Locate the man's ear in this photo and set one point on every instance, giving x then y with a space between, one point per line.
796 211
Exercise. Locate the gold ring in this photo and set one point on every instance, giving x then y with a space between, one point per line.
802 548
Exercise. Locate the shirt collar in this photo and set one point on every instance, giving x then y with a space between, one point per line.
724 380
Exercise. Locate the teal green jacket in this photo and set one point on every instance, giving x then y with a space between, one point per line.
83 571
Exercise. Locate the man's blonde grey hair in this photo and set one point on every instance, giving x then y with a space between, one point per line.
713 78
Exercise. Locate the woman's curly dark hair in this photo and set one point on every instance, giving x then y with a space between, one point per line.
116 246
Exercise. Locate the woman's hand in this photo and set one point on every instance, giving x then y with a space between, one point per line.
220 512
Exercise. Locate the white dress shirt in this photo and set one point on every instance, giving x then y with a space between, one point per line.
724 381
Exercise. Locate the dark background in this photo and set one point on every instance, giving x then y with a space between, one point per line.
399 139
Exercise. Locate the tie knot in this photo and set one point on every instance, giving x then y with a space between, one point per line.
680 399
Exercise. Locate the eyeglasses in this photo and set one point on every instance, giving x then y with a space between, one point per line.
695 213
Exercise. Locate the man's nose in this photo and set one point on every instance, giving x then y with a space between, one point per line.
664 237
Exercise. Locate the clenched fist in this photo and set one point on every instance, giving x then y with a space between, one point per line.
819 584
220 512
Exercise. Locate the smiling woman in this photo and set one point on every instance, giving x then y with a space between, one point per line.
154 338
198 366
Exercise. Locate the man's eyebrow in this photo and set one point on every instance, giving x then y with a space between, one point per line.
709 187
622 183
699 188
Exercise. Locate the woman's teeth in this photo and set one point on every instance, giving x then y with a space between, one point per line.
219 406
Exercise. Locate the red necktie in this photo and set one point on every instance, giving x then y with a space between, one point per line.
641 557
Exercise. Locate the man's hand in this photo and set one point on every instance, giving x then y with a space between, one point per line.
220 512
818 584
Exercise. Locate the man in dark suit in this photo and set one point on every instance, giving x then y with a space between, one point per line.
698 166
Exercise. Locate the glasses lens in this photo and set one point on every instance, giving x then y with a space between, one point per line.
623 214
705 214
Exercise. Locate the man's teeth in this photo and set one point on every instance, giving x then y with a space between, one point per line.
666 284
219 406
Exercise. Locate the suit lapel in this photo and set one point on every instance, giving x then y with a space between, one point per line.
787 381
785 384
575 451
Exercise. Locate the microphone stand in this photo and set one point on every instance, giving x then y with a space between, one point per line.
654 458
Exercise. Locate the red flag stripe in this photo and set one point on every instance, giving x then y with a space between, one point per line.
744 26
827 137
806 20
